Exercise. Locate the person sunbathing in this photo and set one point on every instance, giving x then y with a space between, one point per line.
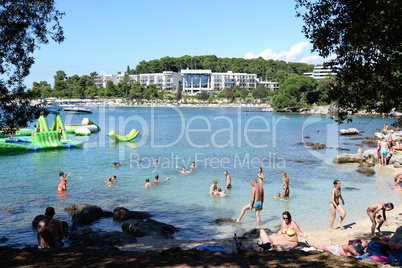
354 249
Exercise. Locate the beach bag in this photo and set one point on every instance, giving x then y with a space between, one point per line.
378 249
395 257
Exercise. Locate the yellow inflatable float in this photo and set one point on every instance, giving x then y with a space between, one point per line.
129 137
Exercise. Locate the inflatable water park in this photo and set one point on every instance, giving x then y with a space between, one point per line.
44 137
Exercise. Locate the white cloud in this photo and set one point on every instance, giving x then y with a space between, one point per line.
295 54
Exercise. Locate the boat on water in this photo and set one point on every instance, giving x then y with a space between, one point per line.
76 109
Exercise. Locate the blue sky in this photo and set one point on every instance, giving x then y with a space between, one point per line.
106 36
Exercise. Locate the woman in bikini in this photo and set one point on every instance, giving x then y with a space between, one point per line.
285 181
372 211
334 205
260 176
355 249
287 236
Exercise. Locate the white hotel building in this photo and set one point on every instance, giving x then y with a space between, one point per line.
320 72
190 81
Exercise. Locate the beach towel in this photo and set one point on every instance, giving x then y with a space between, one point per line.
212 248
377 248
395 256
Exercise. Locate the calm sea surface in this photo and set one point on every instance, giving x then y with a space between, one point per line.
217 139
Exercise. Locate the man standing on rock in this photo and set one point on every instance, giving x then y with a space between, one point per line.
49 230
383 146
256 201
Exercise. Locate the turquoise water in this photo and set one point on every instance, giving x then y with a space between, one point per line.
217 139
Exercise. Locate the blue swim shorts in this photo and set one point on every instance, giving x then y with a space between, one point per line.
257 204
383 152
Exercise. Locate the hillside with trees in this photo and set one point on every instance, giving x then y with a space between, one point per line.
83 86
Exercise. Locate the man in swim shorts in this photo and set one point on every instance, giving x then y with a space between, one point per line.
383 151
256 201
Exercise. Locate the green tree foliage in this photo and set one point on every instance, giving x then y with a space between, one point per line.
136 91
260 92
296 91
365 36
298 87
41 90
24 26
204 96
229 94
282 101
266 69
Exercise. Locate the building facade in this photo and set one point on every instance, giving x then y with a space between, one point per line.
320 72
190 81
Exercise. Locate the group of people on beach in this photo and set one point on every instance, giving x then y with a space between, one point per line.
372 211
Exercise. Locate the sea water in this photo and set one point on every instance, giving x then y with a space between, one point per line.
239 140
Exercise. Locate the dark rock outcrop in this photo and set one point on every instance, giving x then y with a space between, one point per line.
149 227
224 220
255 233
123 214
74 209
101 239
319 146
366 170
88 215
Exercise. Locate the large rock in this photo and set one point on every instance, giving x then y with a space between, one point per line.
348 158
148 227
370 143
74 209
396 158
88 215
379 136
123 214
349 131
366 171
101 239
397 237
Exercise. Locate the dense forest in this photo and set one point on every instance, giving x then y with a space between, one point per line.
295 89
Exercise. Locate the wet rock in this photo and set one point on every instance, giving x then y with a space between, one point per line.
149 227
349 131
100 239
224 220
319 146
3 239
123 214
348 158
74 209
306 137
255 233
370 143
87 216
366 171
339 148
